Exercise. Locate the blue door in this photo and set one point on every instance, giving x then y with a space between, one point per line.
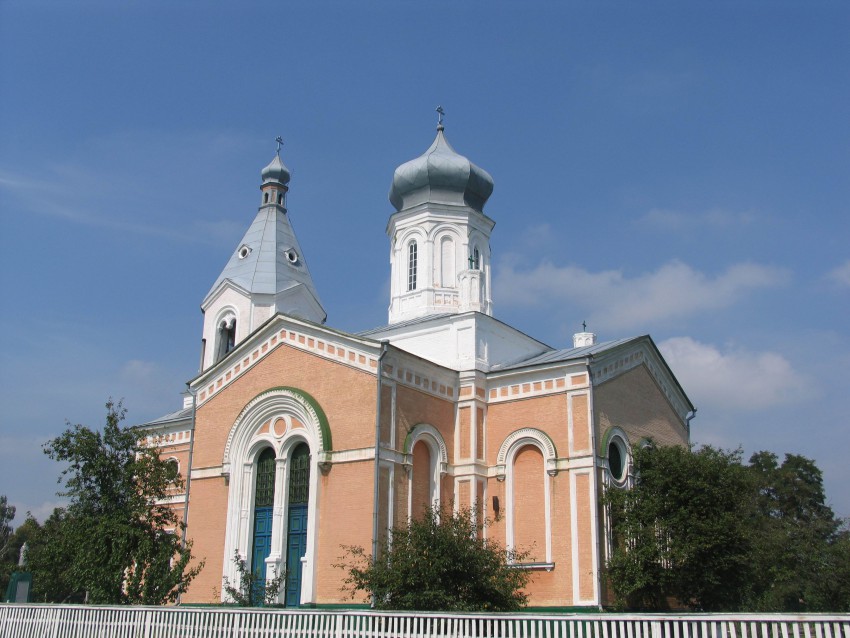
296 548
263 502
296 527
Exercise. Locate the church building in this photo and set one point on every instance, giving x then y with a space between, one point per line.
296 438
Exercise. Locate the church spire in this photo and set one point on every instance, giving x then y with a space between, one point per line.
266 274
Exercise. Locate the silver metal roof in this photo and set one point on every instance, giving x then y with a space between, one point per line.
440 175
564 354
404 324
180 415
268 260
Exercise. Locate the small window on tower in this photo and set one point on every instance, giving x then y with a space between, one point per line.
265 198
226 338
476 259
280 199
411 266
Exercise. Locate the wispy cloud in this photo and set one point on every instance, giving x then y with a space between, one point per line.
736 379
98 188
716 218
841 274
612 300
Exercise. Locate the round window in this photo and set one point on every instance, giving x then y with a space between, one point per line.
244 251
616 459
292 256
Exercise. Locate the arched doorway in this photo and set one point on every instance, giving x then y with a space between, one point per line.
296 534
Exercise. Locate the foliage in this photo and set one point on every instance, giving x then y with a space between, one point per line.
250 589
7 560
440 562
802 546
121 542
7 515
682 531
49 556
703 529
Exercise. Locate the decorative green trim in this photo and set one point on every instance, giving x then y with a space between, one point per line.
324 426
606 439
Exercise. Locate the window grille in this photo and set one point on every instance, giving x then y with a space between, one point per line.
264 496
411 266
299 475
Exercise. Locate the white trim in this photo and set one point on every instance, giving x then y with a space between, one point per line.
243 445
507 454
527 436
438 463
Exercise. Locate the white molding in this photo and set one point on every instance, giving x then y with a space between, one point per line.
344 349
507 454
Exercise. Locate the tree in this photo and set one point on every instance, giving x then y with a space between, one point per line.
122 543
702 528
682 531
440 562
49 557
802 549
7 563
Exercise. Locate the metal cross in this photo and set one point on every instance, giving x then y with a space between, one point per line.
439 110
279 141
584 326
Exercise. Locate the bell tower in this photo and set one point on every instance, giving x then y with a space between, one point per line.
265 275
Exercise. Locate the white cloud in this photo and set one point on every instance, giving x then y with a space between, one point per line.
736 379
679 220
613 301
841 274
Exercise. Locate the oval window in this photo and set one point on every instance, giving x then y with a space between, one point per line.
616 460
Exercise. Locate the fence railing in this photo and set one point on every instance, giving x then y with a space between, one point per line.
75 621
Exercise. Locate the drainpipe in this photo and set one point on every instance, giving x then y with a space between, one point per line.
188 480
688 420
380 375
596 486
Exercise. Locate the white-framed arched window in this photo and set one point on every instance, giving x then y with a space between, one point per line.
225 334
412 264
281 436
426 461
526 461
447 276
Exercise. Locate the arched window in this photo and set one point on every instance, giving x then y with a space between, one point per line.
423 487
527 459
426 463
296 534
280 199
265 198
528 486
226 337
475 259
412 260
263 511
447 263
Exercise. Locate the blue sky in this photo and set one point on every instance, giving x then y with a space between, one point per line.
677 169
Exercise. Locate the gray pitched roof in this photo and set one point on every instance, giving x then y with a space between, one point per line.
405 324
269 266
172 417
564 354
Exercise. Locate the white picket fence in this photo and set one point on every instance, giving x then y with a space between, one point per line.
75 621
